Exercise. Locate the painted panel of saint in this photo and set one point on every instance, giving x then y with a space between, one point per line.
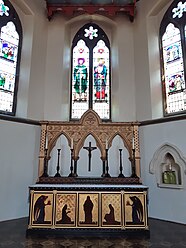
65 209
88 205
111 209
135 209
42 206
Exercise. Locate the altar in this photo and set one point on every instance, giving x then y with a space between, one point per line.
88 208
68 205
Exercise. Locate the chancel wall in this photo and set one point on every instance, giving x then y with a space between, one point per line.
44 95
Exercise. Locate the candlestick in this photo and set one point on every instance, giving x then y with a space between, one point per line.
107 166
106 144
133 146
46 142
71 164
72 144
121 167
58 168
103 174
133 164
45 174
60 145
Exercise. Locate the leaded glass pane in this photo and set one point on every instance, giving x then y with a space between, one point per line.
80 80
9 40
179 10
173 70
101 77
3 9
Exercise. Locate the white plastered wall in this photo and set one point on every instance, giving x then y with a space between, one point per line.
19 160
30 103
44 90
20 142
164 203
147 59
58 65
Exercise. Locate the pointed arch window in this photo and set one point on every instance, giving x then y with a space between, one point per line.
173 58
10 48
90 77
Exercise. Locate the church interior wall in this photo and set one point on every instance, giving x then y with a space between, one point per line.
44 90
164 203
58 65
147 59
30 103
19 167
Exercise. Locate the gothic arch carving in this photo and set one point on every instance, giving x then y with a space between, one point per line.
82 140
168 157
78 131
124 139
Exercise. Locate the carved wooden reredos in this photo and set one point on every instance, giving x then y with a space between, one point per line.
89 124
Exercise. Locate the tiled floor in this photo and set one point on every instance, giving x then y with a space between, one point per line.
162 234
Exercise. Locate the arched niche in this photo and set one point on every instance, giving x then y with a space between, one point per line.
168 165
95 169
119 155
63 159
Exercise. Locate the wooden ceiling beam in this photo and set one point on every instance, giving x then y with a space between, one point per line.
72 10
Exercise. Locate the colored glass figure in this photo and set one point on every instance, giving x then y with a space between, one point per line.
100 79
176 82
8 51
3 9
2 80
80 78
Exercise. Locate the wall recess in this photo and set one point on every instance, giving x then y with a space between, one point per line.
169 166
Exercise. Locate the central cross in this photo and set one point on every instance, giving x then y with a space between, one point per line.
89 149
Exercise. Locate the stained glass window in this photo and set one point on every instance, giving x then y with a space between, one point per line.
101 79
90 80
10 30
172 41
80 79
